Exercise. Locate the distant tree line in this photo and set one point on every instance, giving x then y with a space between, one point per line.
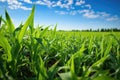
99 30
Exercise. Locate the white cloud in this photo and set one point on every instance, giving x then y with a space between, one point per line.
25 8
70 2
48 3
28 1
113 18
61 12
2 0
88 6
15 4
86 13
108 16
45 2
63 5
69 7
19 7
104 14
40 2
80 2
83 11
89 13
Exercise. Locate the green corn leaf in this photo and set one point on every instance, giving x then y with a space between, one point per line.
80 51
108 48
0 20
96 64
65 76
3 20
53 70
16 31
103 78
31 26
115 37
25 26
6 46
72 68
72 65
54 31
42 72
44 31
39 40
10 25
102 46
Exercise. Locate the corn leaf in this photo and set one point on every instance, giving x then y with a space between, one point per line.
10 25
0 20
25 26
6 46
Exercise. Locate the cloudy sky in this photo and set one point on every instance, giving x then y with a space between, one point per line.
68 14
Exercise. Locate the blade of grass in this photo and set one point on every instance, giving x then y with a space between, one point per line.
10 25
53 70
25 26
96 64
43 32
0 20
4 43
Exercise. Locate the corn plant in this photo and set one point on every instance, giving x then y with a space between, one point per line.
33 53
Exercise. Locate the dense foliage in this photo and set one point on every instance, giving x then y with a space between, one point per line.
28 53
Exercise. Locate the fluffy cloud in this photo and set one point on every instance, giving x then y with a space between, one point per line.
113 18
68 7
40 3
103 14
2 0
80 2
89 13
20 7
15 4
87 6
62 4
28 1
45 2
61 12
66 4
70 2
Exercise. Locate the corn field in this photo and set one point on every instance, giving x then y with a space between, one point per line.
29 53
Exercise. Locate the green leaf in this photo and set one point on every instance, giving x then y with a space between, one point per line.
103 78
96 64
65 76
72 69
53 70
42 70
54 31
43 32
31 26
10 25
16 31
6 46
0 20
25 26
108 48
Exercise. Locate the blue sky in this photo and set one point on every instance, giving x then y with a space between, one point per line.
68 14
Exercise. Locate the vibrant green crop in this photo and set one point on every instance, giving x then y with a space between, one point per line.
29 53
